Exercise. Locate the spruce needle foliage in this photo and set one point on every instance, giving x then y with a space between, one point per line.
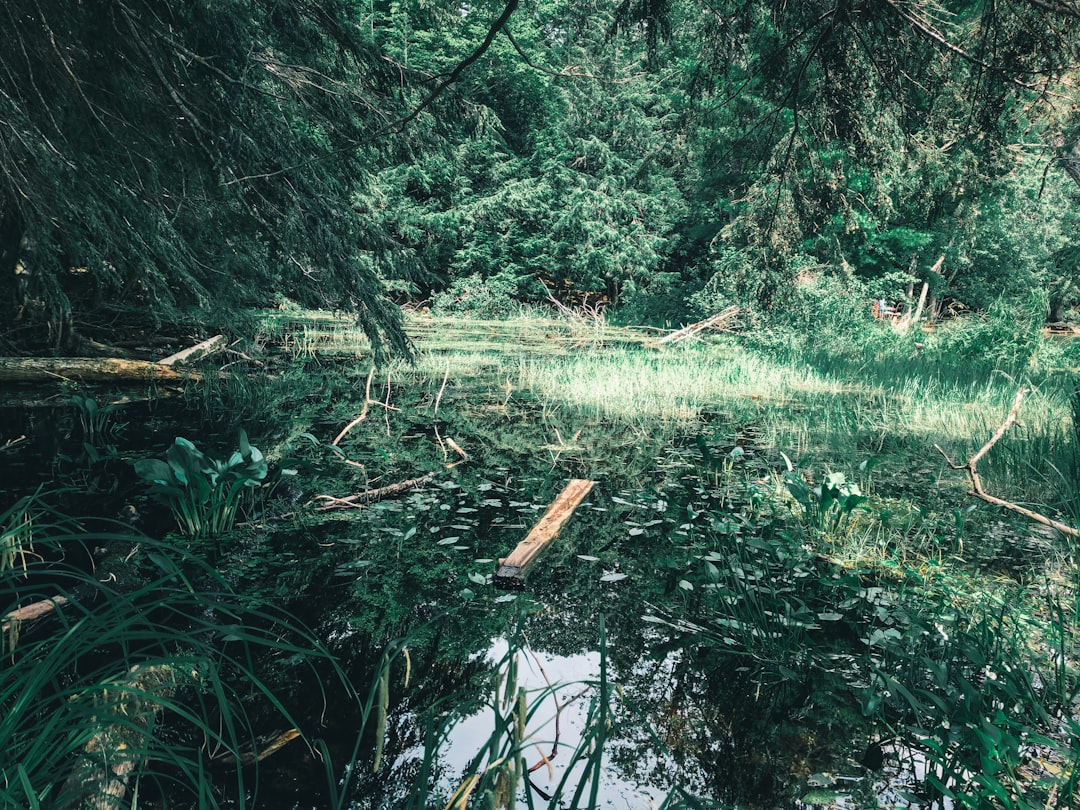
206 155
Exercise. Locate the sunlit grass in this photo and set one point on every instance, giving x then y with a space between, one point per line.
827 408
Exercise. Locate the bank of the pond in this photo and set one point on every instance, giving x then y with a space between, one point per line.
790 582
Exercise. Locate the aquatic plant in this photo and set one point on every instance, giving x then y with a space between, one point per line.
164 677
202 492
828 506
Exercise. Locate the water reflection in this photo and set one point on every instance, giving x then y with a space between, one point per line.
563 686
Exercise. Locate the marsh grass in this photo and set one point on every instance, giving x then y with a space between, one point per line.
171 672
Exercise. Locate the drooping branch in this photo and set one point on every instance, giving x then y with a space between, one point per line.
976 483
397 126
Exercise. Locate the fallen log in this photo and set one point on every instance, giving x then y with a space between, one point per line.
196 352
88 369
512 570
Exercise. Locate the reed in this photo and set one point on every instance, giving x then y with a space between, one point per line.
69 681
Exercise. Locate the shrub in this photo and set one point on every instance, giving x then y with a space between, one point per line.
497 296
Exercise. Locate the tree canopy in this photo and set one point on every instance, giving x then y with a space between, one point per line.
162 161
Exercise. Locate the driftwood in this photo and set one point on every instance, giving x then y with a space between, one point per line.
196 352
100 778
88 369
371 495
14 621
976 483
721 321
512 570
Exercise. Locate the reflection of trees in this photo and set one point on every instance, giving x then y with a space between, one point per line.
685 716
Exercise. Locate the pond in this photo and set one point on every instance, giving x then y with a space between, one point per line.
681 642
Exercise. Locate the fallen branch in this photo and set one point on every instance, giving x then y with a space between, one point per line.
976 482
370 495
720 321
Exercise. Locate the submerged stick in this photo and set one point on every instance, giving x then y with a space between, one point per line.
976 482
278 742
369 495
128 709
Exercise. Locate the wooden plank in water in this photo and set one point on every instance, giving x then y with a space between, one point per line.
511 571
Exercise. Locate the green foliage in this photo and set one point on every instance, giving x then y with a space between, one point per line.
179 219
828 506
497 296
155 676
203 493
1009 336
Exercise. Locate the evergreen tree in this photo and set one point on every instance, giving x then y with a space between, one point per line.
158 157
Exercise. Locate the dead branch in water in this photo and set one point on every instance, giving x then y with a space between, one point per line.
976 482
370 495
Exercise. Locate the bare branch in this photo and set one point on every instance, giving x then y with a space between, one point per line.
976 483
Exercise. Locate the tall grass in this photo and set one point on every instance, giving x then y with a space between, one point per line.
167 673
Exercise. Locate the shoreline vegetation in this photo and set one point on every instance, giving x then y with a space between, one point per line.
806 538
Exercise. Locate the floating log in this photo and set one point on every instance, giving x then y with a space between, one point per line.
88 369
196 352
511 571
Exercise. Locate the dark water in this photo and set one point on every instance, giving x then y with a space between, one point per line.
688 712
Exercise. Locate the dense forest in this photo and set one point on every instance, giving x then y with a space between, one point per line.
540 403
178 163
